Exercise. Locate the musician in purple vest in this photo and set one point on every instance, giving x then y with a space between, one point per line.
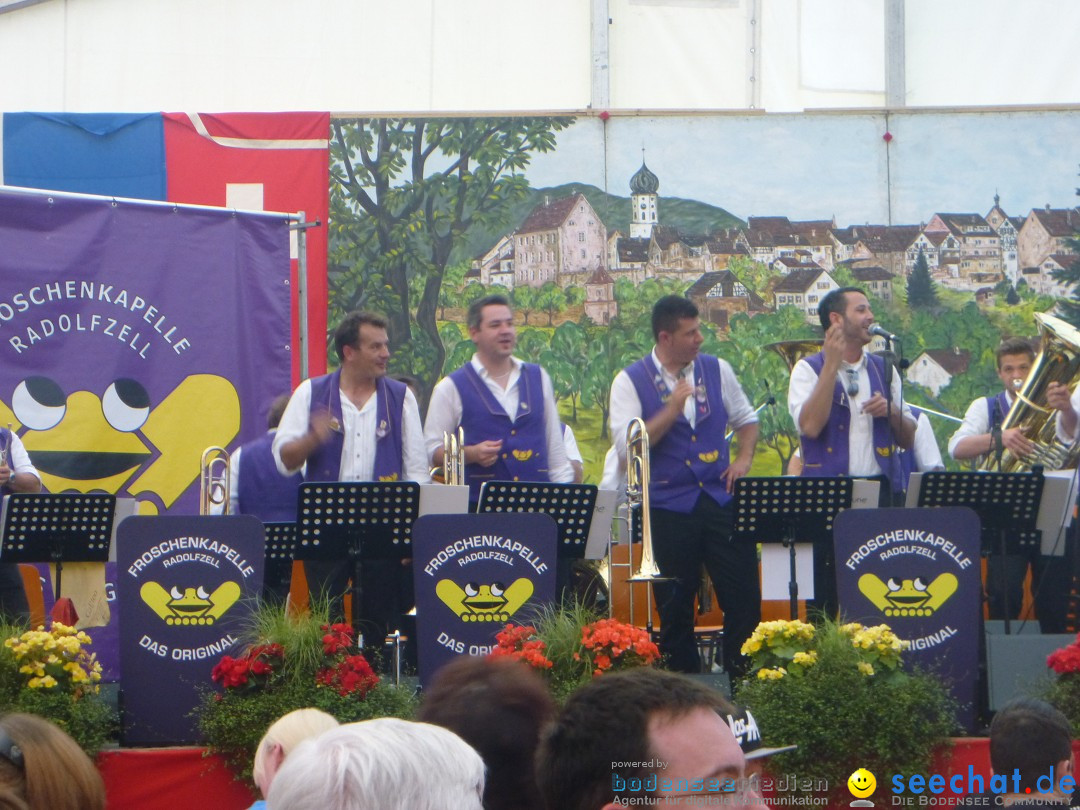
975 440
257 488
846 425
506 407
355 425
17 474
688 401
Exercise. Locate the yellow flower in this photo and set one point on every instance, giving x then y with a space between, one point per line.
771 674
806 659
865 668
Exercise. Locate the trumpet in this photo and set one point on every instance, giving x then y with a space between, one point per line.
452 471
215 479
637 497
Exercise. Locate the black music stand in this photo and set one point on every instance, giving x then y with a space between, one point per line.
1007 505
42 527
356 521
571 506
280 550
783 510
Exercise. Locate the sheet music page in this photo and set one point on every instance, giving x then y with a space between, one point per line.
865 494
776 570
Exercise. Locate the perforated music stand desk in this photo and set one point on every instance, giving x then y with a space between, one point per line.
571 506
781 510
1007 505
279 553
356 521
42 527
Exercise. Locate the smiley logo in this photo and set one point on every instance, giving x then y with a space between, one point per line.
484 603
908 597
121 441
192 606
861 783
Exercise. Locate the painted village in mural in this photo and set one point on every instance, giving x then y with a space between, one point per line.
429 214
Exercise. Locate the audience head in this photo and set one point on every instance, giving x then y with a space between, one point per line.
591 759
43 767
1032 737
383 764
499 707
282 737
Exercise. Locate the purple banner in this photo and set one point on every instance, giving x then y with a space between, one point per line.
473 575
186 587
917 570
134 335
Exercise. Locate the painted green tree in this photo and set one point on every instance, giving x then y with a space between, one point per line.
403 192
920 286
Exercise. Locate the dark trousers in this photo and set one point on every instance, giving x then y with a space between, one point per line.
1049 585
13 604
386 595
682 543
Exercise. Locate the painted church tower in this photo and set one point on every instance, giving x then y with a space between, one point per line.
644 203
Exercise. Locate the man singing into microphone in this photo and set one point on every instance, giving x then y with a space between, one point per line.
846 425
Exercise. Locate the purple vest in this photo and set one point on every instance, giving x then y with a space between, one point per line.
325 463
264 492
688 460
524 439
828 453
1001 404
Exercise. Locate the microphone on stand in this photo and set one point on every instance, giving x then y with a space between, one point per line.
881 331
995 436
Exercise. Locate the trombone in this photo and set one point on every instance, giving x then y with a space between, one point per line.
637 497
215 481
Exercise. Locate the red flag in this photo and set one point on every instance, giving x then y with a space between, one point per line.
268 161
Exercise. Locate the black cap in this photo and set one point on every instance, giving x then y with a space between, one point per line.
747 734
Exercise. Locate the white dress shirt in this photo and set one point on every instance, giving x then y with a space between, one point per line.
625 404
444 416
861 456
358 427
976 422
19 460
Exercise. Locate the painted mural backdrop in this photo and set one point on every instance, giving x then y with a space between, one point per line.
959 226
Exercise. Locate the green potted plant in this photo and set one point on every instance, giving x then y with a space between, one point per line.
291 662
51 672
839 692
572 644
1064 691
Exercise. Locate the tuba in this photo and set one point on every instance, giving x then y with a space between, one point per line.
637 497
1058 361
795 350
215 478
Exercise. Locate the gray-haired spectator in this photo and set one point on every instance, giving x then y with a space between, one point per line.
383 764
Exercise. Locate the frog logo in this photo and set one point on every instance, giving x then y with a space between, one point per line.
192 607
908 597
523 455
484 603
119 442
710 456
